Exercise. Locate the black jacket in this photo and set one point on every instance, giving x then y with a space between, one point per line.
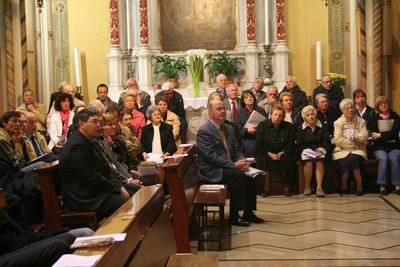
335 95
389 139
86 181
299 97
306 138
167 138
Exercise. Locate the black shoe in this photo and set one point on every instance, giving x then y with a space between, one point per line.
251 217
359 193
238 222
345 191
287 194
383 192
264 194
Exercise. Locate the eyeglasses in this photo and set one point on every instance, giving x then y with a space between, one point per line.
329 81
94 121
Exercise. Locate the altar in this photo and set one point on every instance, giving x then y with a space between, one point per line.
143 29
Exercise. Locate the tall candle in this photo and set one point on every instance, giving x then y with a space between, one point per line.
318 60
77 67
128 26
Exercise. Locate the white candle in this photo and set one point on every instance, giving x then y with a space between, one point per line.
77 67
266 17
128 26
318 60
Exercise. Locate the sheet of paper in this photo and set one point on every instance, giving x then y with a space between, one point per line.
157 158
117 237
69 260
185 145
254 119
253 172
176 156
385 125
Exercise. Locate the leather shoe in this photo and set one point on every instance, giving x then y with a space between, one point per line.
251 217
264 194
239 222
359 193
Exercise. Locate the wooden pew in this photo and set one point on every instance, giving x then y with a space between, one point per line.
183 182
146 221
54 216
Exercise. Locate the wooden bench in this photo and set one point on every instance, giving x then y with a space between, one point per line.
149 236
183 183
54 216
370 173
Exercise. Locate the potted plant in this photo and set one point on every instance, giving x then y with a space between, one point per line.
171 67
224 63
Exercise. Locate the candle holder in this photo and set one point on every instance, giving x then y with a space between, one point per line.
268 65
130 69
79 91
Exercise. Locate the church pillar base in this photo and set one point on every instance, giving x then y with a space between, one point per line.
281 64
115 73
251 53
144 69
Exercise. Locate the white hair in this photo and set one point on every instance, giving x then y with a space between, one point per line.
345 102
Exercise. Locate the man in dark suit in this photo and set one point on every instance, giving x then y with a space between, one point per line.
86 182
334 92
220 161
232 101
176 105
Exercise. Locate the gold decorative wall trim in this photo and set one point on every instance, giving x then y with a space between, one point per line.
378 46
24 52
10 68
336 36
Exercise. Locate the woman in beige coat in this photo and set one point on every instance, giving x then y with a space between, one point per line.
169 117
350 138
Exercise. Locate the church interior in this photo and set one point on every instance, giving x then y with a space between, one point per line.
48 45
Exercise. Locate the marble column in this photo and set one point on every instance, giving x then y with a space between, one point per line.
251 50
114 55
45 51
144 54
281 49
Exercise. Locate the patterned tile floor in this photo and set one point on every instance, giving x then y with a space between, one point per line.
310 231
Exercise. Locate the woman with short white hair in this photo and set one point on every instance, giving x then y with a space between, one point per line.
312 138
350 137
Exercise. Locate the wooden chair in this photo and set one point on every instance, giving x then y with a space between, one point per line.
54 216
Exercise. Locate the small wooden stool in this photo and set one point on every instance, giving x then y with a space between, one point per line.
201 202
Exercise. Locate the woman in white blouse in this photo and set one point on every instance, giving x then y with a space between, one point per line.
60 121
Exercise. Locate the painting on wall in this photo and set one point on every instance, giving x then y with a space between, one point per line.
194 24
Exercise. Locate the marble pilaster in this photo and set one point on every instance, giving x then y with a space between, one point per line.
115 54
281 50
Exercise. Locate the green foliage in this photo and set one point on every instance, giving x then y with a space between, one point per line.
171 67
338 79
223 63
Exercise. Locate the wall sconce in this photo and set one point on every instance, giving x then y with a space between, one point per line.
326 2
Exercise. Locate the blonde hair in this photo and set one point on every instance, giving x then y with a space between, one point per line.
306 109
379 100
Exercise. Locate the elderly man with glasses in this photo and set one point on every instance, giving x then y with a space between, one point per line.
334 92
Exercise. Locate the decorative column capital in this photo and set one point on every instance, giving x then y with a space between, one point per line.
114 26
144 24
251 21
280 20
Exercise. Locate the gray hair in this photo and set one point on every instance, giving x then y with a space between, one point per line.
345 102
319 96
272 87
306 109
292 78
130 79
151 110
167 86
98 104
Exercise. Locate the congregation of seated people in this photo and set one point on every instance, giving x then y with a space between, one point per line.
100 146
